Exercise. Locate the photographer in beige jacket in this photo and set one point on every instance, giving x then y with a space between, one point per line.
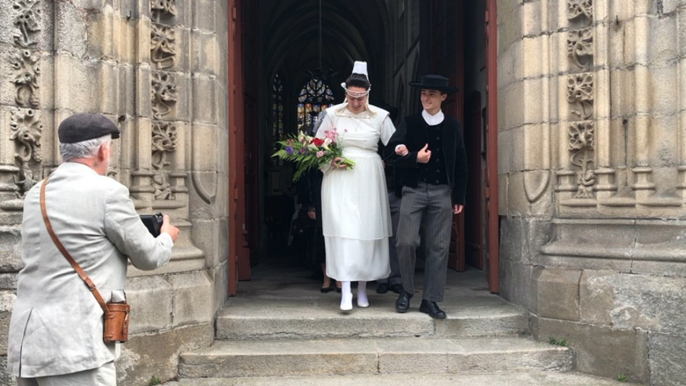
56 330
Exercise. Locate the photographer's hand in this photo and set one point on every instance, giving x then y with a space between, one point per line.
168 228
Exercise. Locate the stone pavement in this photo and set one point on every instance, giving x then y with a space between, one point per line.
281 330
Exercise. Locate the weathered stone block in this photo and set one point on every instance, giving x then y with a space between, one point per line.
509 28
600 350
503 186
10 249
192 298
517 202
8 281
145 356
531 18
505 152
151 304
516 284
74 86
205 235
596 297
220 279
515 115
204 103
5 377
532 56
7 299
101 33
70 29
666 356
204 15
557 293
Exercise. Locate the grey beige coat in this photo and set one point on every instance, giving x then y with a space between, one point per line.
56 325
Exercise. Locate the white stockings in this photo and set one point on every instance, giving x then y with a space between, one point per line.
347 295
362 300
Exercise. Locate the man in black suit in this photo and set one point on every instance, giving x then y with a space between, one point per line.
429 155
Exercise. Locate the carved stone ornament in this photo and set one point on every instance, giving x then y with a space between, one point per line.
576 8
163 94
162 187
26 131
26 72
163 51
580 92
163 7
580 45
581 142
26 20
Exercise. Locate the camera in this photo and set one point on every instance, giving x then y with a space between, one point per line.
153 222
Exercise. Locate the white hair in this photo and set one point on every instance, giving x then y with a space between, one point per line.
83 149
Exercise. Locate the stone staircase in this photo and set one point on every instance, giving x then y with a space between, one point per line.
288 333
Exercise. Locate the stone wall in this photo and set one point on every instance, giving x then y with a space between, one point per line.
157 69
592 164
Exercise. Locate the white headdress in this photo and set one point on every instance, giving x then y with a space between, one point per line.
358 68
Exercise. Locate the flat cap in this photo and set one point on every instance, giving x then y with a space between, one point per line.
82 127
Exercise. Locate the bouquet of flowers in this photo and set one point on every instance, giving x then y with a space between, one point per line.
308 152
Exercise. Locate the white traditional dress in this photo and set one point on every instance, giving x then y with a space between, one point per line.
355 212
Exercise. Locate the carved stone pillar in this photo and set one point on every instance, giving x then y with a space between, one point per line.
21 158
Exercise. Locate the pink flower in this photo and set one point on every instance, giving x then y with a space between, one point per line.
331 134
320 154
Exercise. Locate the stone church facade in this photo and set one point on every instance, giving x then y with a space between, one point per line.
591 160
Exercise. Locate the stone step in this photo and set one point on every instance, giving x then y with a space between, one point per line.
509 378
259 358
316 318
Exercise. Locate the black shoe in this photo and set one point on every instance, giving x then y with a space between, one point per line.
397 288
432 309
402 304
382 288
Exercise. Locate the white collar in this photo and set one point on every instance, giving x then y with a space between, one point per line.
433 120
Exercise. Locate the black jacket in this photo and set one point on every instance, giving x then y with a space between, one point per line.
413 133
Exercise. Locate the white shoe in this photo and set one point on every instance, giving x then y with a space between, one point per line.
362 304
346 301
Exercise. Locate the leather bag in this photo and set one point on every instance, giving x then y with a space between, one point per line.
115 315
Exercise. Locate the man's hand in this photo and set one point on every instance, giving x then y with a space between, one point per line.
168 228
312 213
457 209
401 150
424 155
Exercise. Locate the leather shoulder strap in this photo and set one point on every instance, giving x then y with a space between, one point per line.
58 244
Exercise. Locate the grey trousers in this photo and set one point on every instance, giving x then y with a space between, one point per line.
394 278
104 375
434 202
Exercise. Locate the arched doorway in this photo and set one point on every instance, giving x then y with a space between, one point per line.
293 40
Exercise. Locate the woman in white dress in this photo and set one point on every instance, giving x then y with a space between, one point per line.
355 211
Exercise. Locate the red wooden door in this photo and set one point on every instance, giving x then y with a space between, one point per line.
491 181
472 212
238 251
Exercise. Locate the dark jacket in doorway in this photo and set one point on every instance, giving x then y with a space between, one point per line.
413 132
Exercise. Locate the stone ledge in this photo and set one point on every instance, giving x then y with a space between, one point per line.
371 356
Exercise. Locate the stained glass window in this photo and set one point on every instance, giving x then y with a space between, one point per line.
314 97
277 108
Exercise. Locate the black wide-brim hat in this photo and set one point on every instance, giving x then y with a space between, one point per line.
434 82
